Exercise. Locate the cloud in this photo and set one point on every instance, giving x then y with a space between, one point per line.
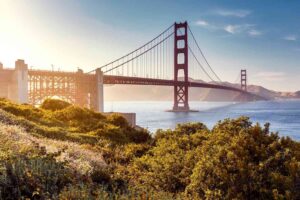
271 76
254 32
233 13
248 29
230 29
205 24
290 38
201 22
234 29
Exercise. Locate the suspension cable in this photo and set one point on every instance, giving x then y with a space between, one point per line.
203 69
140 54
203 55
135 49
200 64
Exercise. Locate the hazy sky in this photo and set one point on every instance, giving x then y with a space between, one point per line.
262 36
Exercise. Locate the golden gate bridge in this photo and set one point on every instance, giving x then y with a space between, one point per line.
170 59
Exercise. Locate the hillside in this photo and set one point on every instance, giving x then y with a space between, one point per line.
60 151
49 152
60 120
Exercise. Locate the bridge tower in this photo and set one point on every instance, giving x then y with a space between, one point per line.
181 96
244 79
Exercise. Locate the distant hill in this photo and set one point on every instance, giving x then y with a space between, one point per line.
164 93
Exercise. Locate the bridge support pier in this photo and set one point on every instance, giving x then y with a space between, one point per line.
99 91
21 82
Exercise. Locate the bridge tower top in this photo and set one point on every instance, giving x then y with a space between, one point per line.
21 65
244 79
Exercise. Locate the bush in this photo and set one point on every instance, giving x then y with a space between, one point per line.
235 160
169 164
101 176
244 161
54 104
32 177
117 120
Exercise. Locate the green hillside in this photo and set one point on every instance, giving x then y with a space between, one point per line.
61 151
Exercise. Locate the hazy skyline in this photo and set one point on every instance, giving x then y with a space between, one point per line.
263 38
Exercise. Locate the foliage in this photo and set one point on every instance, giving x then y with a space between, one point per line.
54 104
235 160
169 164
26 169
28 177
86 155
59 120
244 161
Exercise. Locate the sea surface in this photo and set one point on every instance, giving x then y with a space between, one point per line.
284 115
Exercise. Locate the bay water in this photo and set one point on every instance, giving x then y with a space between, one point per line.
284 115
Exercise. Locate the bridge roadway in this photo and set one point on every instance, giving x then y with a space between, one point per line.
124 80
109 79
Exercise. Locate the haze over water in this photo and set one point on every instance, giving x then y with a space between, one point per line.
284 115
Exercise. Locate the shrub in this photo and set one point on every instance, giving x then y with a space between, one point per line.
54 104
117 120
101 176
169 164
244 161
39 177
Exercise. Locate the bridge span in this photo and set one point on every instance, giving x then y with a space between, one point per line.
170 59
33 86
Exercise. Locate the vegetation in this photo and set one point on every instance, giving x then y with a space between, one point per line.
60 151
57 119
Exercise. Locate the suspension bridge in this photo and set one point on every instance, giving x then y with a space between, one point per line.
173 58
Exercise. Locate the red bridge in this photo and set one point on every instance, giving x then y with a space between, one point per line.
170 59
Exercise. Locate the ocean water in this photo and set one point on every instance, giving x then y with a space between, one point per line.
284 115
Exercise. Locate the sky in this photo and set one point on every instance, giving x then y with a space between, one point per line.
260 36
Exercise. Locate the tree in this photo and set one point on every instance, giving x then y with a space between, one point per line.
244 161
169 164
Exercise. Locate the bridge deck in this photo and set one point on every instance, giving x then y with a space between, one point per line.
149 81
110 79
